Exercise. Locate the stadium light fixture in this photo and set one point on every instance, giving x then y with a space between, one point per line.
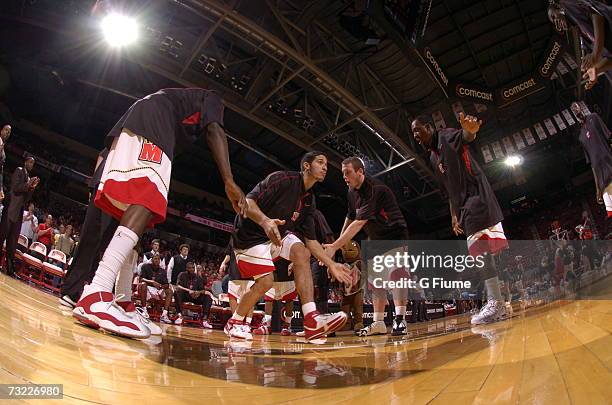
119 30
513 160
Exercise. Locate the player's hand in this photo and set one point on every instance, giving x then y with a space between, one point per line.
270 227
456 226
1 195
330 250
599 197
590 75
341 273
237 197
156 285
588 61
470 124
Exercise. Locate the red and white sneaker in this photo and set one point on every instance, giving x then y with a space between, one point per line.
99 309
264 329
142 314
317 325
206 324
286 330
238 329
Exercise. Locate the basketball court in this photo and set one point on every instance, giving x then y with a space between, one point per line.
558 353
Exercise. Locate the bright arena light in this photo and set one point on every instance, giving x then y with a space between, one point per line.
119 30
513 160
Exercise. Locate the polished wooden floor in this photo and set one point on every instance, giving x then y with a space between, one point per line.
557 354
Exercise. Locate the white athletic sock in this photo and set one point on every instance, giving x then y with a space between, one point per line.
126 275
238 317
379 316
248 320
493 290
114 256
400 310
308 308
267 319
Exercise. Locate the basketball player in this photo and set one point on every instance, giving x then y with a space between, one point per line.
283 290
372 207
473 206
134 189
279 205
594 21
5 133
594 136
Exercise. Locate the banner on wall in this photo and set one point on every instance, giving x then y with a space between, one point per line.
497 150
486 154
438 120
508 145
559 122
529 136
540 131
550 126
518 140
568 117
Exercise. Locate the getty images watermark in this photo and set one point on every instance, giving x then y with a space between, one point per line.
396 267
526 269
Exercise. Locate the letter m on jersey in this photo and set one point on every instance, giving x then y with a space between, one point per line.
150 153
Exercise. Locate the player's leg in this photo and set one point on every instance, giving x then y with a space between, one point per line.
236 327
287 318
400 298
316 325
266 324
377 327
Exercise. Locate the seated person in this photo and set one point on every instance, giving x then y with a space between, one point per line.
190 288
154 284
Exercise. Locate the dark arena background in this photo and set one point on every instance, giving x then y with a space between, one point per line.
345 78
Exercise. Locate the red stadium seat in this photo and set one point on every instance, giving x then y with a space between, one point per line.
50 271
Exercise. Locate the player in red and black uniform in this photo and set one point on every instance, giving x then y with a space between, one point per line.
134 189
279 205
372 207
594 136
473 205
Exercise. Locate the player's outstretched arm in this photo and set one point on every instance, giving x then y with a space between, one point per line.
217 142
346 236
336 270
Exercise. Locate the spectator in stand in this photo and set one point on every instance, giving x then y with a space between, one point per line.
45 232
148 257
22 187
29 224
65 243
5 132
61 229
154 285
190 288
178 264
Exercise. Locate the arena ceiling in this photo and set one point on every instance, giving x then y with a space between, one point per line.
295 75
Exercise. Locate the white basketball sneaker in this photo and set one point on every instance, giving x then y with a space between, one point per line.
493 311
100 310
375 328
142 315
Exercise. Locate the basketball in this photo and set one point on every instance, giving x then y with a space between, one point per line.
351 252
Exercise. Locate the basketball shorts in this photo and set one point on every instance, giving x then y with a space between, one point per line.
490 240
136 172
155 293
607 197
258 261
281 291
237 288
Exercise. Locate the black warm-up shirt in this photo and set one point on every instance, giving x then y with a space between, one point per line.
281 195
466 184
171 118
594 136
376 203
